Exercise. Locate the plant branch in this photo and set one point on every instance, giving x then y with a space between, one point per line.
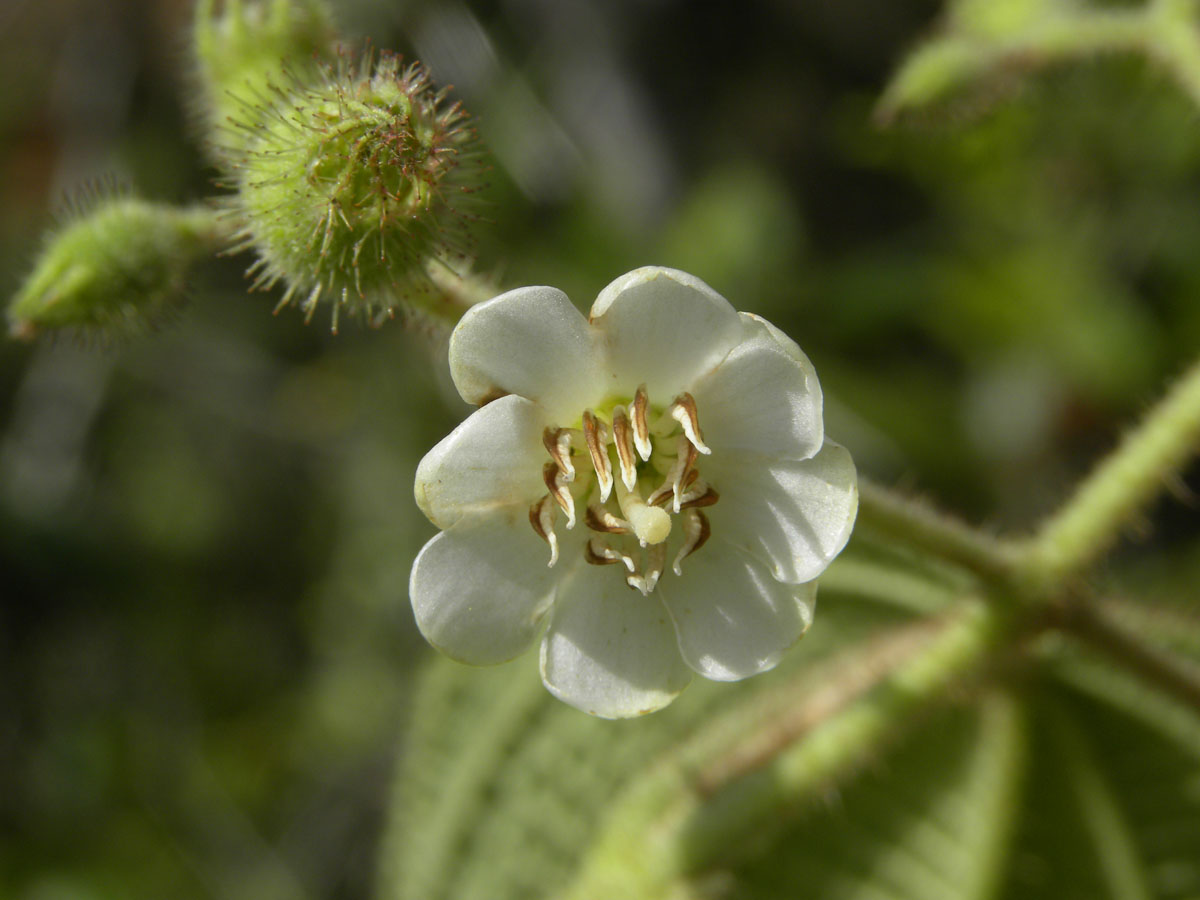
1117 489
1099 630
917 524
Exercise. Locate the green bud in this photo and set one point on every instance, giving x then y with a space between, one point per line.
242 50
115 267
352 190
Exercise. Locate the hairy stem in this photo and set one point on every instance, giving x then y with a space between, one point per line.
916 524
1098 629
1117 489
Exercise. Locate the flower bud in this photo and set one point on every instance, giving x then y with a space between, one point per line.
116 267
352 190
241 52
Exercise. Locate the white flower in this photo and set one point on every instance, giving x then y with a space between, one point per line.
665 456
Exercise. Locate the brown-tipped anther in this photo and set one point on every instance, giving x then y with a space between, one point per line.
597 518
683 411
702 495
647 580
598 553
623 439
696 531
557 442
595 434
541 517
556 484
641 428
677 475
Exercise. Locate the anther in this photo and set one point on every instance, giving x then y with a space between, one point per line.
541 517
641 429
597 518
683 411
695 532
701 495
558 444
598 553
678 476
623 438
656 559
556 482
596 436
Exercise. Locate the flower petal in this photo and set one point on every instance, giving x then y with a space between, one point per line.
762 398
532 342
492 460
734 620
608 650
662 327
479 590
795 515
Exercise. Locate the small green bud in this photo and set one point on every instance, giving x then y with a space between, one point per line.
242 50
116 267
354 189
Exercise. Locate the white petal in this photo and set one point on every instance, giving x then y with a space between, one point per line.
662 327
732 618
532 342
762 398
491 461
795 515
480 589
608 650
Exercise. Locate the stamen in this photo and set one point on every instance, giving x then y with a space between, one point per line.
596 436
558 444
597 518
641 430
556 481
623 438
656 559
598 553
541 517
701 495
650 524
678 476
696 531
683 411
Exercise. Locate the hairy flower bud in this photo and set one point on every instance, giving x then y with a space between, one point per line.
352 189
117 266
241 48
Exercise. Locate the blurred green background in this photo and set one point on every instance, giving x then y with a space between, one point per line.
206 652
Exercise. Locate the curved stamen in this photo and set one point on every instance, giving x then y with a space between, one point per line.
683 411
556 482
598 553
597 518
623 439
696 531
646 581
641 430
541 517
595 434
558 444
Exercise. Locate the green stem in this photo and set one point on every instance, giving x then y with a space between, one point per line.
674 823
1098 629
1117 489
918 525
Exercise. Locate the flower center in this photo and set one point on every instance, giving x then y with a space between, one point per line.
639 478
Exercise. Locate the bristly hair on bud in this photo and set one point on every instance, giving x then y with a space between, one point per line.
117 265
353 189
